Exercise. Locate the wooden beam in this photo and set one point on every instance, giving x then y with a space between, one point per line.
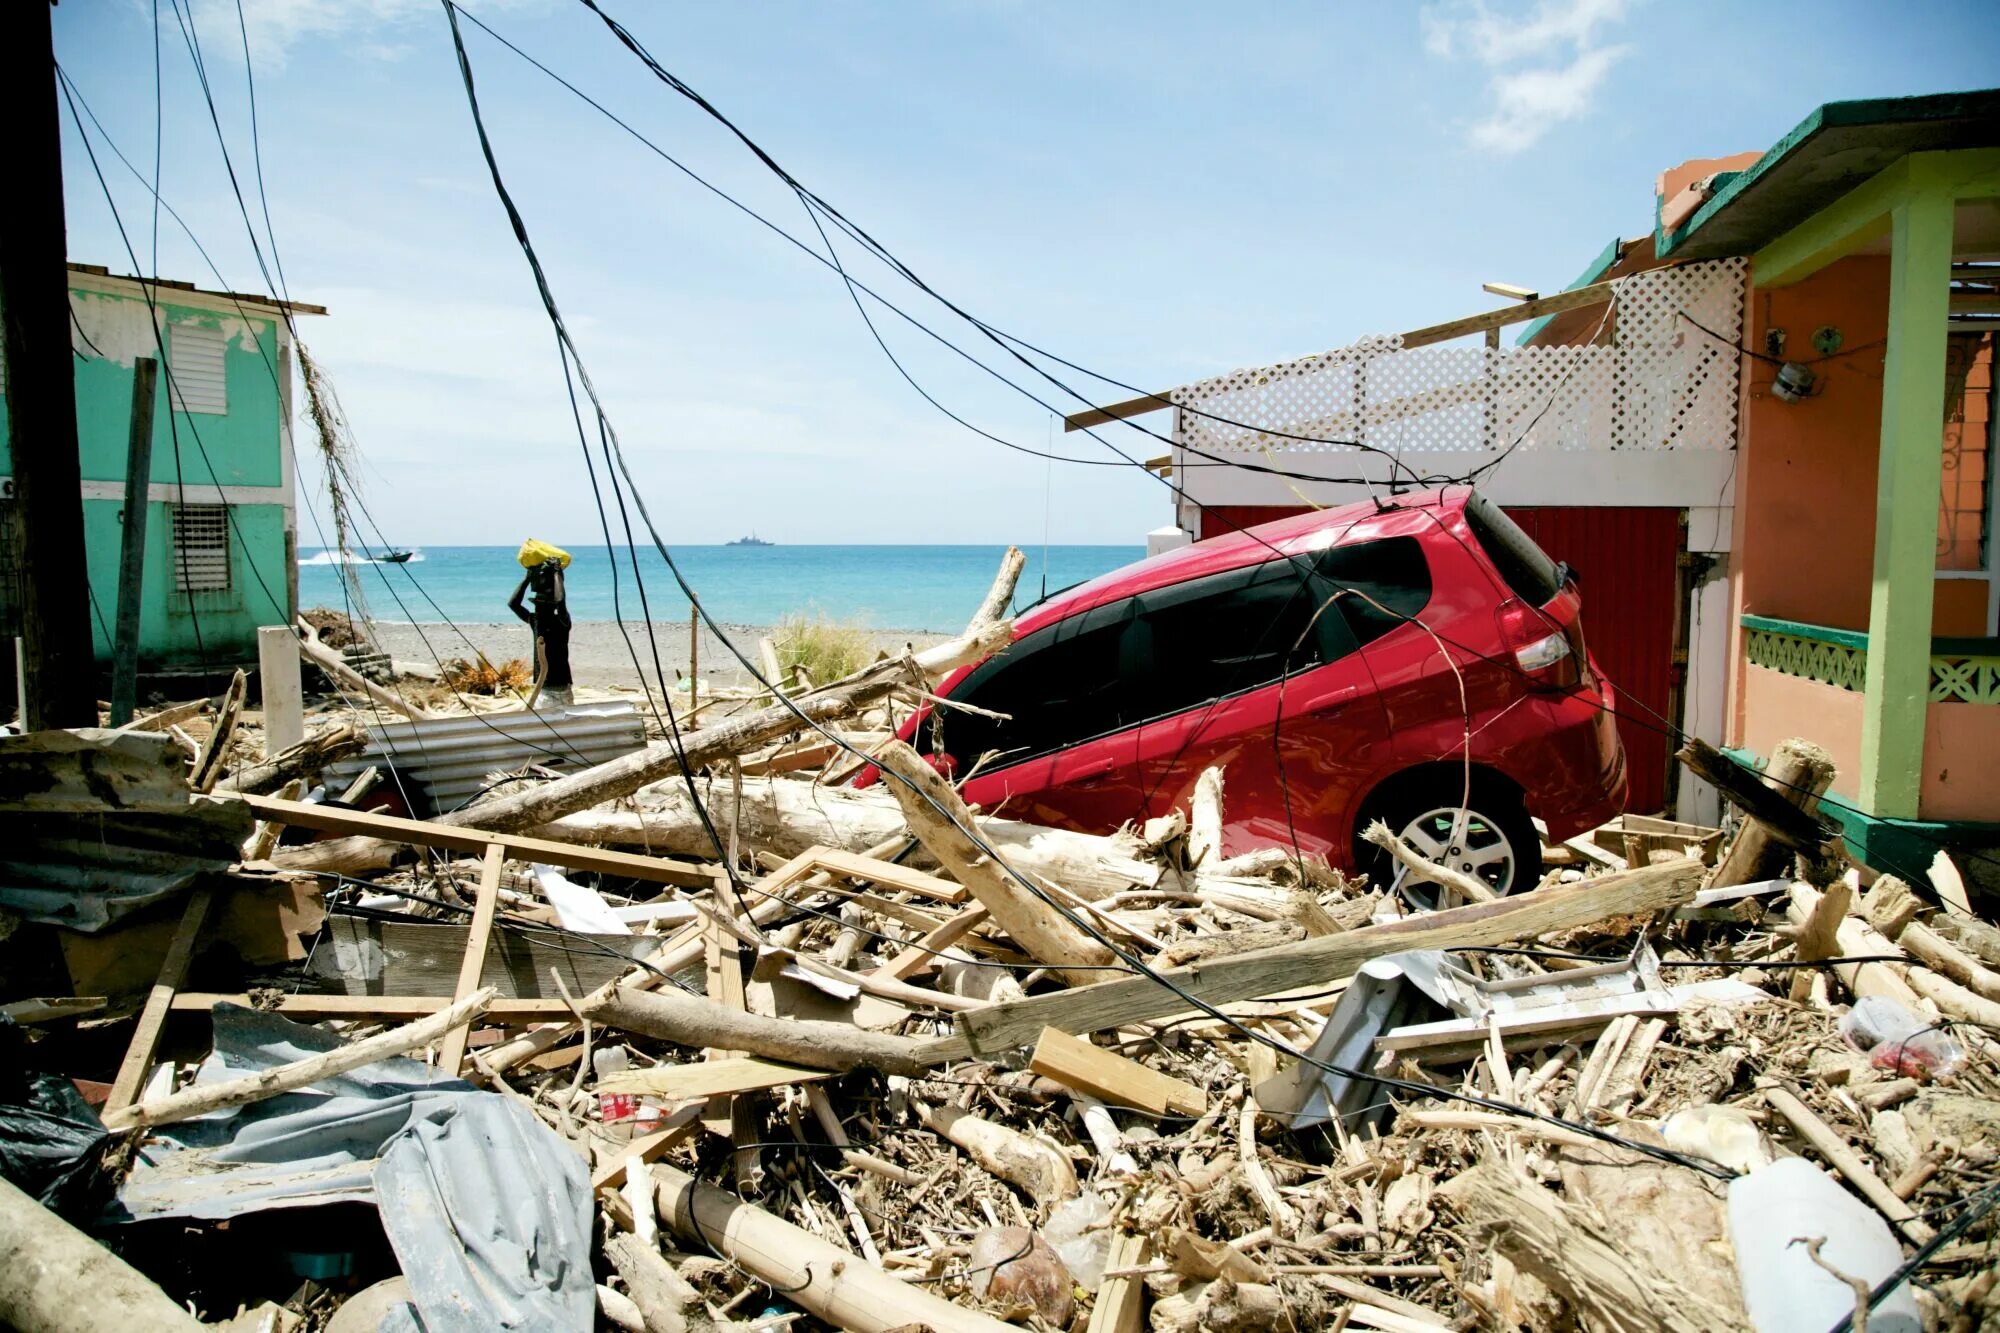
451 1054
1107 1076
870 870
457 838
1319 961
720 1077
1104 416
153 1018
1597 293
313 1008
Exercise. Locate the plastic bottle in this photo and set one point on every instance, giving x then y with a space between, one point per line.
1771 1211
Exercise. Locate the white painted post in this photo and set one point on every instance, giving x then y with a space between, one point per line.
284 695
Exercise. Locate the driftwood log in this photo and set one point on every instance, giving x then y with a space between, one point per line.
205 1097
825 1281
336 668
1799 772
545 802
939 819
305 759
692 1021
55 1278
787 815
1783 820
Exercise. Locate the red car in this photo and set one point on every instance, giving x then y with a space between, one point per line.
1319 660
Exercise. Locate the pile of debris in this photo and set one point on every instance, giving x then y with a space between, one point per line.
685 1039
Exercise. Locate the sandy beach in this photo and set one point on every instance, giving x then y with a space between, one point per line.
598 651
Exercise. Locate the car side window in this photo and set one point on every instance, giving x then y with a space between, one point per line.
1060 685
1392 572
1211 638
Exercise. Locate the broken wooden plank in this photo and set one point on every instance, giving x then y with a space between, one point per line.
315 1008
138 1060
452 1053
208 763
459 838
1076 1063
853 865
921 954
1316 961
720 1077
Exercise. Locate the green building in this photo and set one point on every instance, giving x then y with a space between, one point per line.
221 523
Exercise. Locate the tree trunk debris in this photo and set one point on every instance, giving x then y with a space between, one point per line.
905 1031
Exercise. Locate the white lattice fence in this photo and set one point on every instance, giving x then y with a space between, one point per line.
1659 383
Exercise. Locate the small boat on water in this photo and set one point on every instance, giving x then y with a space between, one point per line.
752 540
396 557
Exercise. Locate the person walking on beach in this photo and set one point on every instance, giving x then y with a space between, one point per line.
549 618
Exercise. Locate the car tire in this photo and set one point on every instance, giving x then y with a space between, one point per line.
1499 845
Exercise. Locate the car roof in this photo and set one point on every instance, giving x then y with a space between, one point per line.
1365 520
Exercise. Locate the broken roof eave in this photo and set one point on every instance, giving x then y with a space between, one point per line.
171 285
1833 150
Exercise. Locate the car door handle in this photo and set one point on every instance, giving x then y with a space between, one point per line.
1090 772
1327 700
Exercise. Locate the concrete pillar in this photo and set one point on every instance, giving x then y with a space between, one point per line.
1906 505
284 695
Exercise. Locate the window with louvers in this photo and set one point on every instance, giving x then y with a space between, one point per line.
201 548
197 368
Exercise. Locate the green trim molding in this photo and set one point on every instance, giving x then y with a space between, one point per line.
1961 670
1900 847
1835 148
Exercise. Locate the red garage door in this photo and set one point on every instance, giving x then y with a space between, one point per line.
1627 565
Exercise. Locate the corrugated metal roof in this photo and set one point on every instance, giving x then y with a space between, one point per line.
453 757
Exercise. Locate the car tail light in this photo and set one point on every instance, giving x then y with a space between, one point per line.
1541 646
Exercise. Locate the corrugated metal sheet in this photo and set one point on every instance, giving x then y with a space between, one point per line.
1626 558
1627 563
454 757
197 361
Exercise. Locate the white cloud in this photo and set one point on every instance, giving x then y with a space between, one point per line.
1543 66
277 27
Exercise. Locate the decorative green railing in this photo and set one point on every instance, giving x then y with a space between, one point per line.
1962 670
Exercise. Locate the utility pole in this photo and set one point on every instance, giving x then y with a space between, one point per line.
58 673
132 547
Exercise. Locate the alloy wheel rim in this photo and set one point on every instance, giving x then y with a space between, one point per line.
1479 847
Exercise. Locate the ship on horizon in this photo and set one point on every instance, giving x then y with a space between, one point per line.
752 540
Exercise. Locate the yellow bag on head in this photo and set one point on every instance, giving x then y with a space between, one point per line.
534 551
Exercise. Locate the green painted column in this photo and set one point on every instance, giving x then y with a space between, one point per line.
1906 503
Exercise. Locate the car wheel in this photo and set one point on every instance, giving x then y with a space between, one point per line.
1492 839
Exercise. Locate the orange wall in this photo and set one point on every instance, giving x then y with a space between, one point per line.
1961 762
1961 741
1778 707
1806 471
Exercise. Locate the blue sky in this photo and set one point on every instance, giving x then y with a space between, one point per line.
1159 192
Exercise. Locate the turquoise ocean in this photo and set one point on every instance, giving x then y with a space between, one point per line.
913 588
